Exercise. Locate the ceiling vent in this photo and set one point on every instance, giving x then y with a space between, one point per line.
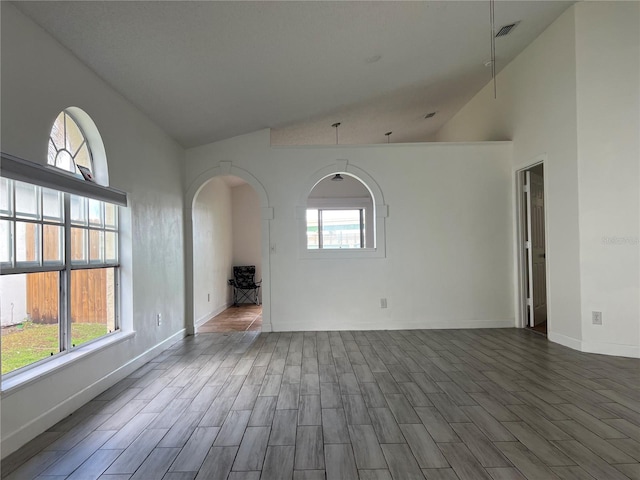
506 29
429 115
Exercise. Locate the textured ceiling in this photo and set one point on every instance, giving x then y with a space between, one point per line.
205 71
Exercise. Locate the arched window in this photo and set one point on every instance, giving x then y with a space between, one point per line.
341 213
68 147
59 251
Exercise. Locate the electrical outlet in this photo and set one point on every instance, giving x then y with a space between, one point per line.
159 319
383 303
596 318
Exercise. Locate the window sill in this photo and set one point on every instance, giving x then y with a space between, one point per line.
343 253
21 380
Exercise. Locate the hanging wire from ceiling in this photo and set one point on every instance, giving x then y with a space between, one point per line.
492 16
336 125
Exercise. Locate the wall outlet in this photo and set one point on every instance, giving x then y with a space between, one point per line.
159 319
383 303
596 318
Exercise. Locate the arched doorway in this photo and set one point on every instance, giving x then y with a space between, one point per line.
200 236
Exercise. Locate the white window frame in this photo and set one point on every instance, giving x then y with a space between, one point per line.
344 203
64 270
56 179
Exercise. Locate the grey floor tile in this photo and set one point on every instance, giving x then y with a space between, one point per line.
385 426
309 475
463 462
217 464
481 447
278 463
439 429
334 426
233 428
375 474
401 462
330 395
355 410
251 453
524 460
366 449
309 448
263 412
136 453
339 461
309 411
283 431
423 447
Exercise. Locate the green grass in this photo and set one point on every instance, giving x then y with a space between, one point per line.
33 342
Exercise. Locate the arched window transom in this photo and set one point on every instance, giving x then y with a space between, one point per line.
68 147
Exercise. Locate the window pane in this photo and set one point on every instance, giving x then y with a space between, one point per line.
312 228
93 304
96 246
27 200
95 212
30 328
6 198
51 153
57 132
6 243
79 245
27 242
64 160
111 247
110 215
340 228
52 205
73 138
53 241
83 158
78 210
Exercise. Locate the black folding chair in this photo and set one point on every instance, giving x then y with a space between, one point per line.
244 285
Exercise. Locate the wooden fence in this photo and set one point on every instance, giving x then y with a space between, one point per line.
91 296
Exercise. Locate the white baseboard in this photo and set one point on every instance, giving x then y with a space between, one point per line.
570 342
46 420
602 348
412 325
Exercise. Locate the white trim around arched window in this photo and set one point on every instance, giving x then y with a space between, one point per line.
381 211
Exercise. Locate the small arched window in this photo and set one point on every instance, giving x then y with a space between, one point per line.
340 214
68 147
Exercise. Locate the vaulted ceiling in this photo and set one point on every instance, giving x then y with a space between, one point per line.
206 71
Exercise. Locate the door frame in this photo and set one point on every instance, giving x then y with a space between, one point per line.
223 169
520 237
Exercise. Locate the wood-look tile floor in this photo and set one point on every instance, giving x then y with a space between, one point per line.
435 404
242 318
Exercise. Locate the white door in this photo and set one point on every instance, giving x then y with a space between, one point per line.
536 261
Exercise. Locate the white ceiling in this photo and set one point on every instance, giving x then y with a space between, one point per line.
205 71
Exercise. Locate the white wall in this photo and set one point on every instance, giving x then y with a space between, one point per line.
449 259
608 86
212 248
572 96
39 79
13 299
246 228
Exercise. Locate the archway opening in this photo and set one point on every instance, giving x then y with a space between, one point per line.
226 220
